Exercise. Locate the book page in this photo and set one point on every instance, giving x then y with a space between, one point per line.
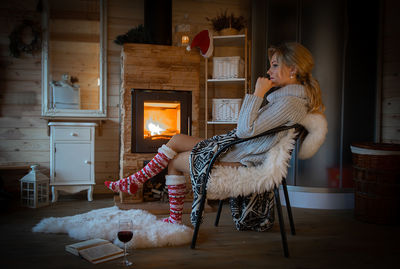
75 248
100 252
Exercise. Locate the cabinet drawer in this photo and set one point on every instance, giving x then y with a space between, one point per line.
72 133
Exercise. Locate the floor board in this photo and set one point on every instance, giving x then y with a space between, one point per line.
325 239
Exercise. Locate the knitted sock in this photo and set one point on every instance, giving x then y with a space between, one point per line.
132 183
176 191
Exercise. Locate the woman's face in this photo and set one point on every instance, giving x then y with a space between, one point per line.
279 73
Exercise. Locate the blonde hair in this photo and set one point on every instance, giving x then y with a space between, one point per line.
296 55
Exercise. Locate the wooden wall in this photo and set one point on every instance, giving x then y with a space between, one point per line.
390 131
23 134
122 15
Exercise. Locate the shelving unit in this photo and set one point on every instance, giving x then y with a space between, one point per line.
229 45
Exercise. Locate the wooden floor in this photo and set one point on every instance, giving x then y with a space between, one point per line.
325 239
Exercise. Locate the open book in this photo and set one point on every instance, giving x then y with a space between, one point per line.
96 250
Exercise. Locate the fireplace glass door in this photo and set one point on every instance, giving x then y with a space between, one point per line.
157 115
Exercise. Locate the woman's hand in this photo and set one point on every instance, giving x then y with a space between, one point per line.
263 85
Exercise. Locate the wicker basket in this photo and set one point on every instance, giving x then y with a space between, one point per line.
228 67
376 174
226 110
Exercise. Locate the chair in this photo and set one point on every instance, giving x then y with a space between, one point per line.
300 130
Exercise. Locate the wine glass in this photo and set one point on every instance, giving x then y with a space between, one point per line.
125 233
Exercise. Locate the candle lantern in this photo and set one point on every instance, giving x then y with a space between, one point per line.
185 40
183 32
34 189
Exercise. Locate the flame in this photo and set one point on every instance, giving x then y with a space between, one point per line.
153 127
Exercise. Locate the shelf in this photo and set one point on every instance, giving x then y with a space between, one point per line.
230 40
221 122
231 45
226 80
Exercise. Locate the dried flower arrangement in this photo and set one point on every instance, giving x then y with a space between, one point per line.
225 21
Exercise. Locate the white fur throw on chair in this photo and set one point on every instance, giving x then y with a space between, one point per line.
317 128
227 181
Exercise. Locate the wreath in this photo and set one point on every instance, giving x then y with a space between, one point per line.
18 45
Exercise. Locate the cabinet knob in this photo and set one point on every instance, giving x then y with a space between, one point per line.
88 162
74 134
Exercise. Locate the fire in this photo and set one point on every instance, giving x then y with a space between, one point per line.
161 120
154 128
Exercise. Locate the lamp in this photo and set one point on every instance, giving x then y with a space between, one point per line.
34 189
185 40
183 31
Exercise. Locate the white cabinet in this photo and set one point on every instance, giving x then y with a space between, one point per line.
226 82
72 157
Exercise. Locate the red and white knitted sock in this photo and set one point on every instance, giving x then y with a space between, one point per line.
176 185
132 183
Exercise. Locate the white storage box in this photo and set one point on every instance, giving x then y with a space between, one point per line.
228 67
66 97
226 109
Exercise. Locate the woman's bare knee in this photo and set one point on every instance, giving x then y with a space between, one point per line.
175 139
182 142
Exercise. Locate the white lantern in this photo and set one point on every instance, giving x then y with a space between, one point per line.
35 189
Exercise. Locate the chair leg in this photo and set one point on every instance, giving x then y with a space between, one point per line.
198 221
288 207
221 203
281 223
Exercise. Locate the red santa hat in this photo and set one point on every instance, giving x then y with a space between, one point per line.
204 42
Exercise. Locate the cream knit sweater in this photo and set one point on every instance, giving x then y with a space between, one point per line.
286 106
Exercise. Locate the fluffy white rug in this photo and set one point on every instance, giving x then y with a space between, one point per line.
148 231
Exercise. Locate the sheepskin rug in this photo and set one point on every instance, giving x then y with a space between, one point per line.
148 231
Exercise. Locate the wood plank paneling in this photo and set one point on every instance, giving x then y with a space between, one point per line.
23 134
391 73
122 15
27 157
23 145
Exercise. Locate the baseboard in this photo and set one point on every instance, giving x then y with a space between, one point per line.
319 198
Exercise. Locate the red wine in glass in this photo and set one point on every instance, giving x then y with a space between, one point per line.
125 233
125 236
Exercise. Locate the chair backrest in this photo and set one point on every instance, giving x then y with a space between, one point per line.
241 140
227 181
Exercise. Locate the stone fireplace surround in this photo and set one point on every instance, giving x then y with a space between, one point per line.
156 67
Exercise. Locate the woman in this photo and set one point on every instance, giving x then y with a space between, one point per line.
298 93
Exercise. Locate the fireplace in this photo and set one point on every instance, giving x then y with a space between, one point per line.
153 70
157 115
